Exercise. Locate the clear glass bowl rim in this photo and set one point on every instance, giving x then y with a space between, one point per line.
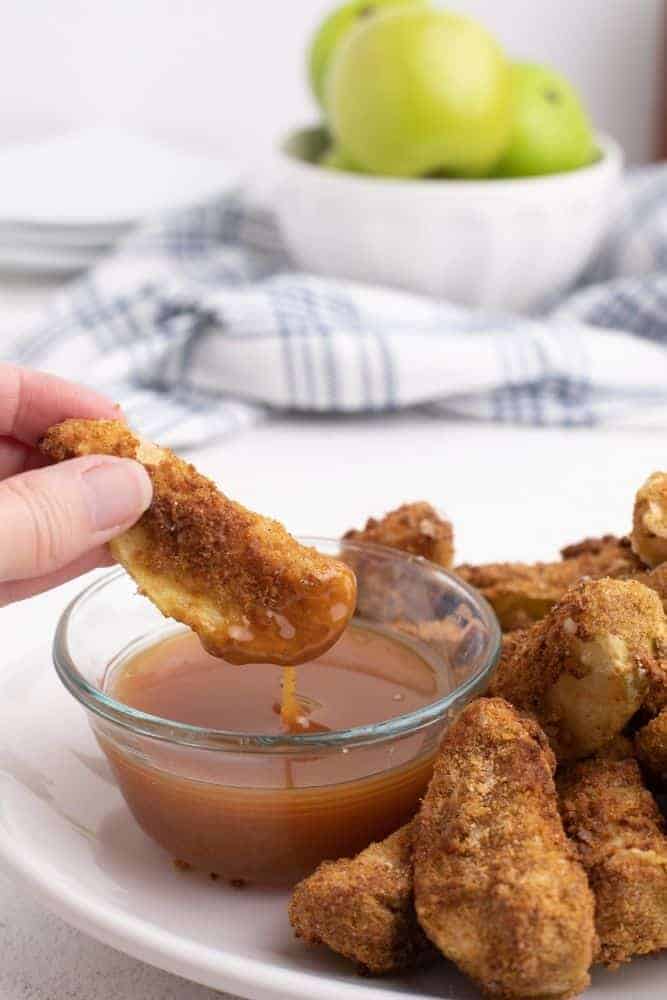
142 724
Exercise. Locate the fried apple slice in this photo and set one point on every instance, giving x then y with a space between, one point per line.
362 907
239 580
523 593
619 834
389 591
651 747
649 521
498 888
585 669
416 528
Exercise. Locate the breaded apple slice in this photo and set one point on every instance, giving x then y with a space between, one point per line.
239 580
394 589
498 888
656 579
619 834
651 746
523 593
362 907
416 528
585 669
649 521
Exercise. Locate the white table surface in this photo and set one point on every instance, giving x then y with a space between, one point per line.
511 494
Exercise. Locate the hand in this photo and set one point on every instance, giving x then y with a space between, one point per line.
55 520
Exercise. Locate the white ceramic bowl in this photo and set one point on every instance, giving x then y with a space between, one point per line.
494 243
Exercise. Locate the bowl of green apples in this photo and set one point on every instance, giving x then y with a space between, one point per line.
440 166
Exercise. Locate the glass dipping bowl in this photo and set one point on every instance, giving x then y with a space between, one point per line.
220 800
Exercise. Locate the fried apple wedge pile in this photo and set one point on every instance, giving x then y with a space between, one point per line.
539 849
523 593
239 580
485 866
522 880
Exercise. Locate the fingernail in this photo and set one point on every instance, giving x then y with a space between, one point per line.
117 493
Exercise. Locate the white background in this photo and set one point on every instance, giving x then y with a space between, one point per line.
228 74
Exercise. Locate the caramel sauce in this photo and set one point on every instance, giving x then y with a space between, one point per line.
262 817
365 677
290 713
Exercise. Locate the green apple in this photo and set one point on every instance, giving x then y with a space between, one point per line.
332 30
335 158
551 131
417 91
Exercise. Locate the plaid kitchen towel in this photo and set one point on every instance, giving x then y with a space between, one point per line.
199 326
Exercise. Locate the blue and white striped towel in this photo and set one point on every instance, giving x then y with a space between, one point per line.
199 326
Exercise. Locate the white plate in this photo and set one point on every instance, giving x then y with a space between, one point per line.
87 239
66 835
103 177
47 260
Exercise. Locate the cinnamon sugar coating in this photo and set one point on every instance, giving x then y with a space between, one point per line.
413 527
498 888
239 580
584 670
649 520
523 593
619 834
363 908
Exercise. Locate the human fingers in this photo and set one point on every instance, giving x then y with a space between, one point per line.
50 517
16 457
19 590
32 401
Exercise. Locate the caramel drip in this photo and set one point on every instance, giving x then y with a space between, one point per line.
289 704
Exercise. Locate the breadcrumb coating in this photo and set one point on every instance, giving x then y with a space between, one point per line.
363 908
523 593
239 580
414 527
655 579
584 670
656 697
651 746
498 887
619 834
393 590
649 520
610 547
620 748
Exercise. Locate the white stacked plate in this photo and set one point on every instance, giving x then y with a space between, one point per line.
66 202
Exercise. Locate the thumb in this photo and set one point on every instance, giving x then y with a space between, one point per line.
50 517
